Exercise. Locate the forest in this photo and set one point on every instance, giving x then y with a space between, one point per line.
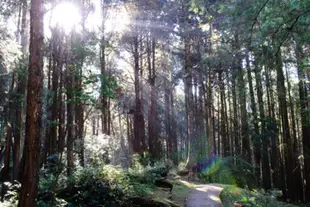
154 103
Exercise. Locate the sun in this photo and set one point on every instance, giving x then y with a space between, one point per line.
65 15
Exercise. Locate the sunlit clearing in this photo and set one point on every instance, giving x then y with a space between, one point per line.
65 15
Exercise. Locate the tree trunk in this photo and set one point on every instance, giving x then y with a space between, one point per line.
297 187
70 126
236 140
173 130
287 145
246 150
222 127
31 155
304 113
21 89
139 125
271 124
265 138
52 140
61 115
189 105
5 175
256 137
152 113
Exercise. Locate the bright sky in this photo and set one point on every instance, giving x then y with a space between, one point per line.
67 15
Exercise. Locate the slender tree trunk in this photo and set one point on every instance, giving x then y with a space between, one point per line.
18 137
104 98
200 118
5 175
152 113
52 141
297 188
209 120
265 138
189 108
168 119
79 109
70 124
288 154
235 116
271 125
21 89
174 130
222 126
256 137
304 113
246 150
61 115
139 129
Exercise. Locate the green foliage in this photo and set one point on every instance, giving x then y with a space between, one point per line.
84 94
147 173
255 198
108 85
141 161
103 185
230 170
86 187
12 193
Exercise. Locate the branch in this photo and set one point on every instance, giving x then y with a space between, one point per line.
255 20
289 29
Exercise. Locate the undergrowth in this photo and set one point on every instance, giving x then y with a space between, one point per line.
104 185
231 196
228 170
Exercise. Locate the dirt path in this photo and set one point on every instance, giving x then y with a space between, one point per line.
205 196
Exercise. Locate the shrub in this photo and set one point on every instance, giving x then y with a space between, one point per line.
12 193
229 170
255 198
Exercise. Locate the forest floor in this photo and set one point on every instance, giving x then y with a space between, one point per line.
205 196
188 193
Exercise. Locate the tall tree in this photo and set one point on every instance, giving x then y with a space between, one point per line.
152 113
31 153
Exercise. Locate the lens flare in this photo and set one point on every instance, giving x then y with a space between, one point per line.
213 165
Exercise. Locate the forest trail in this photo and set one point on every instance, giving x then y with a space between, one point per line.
205 196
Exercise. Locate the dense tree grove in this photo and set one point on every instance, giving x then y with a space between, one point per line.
193 81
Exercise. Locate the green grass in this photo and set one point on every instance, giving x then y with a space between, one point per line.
233 194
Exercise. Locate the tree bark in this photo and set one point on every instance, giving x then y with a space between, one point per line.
271 123
152 113
31 155
297 188
304 113
21 89
287 145
70 119
5 174
139 125
246 150
265 138
189 105
256 137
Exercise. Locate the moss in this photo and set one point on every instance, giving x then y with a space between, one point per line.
232 194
